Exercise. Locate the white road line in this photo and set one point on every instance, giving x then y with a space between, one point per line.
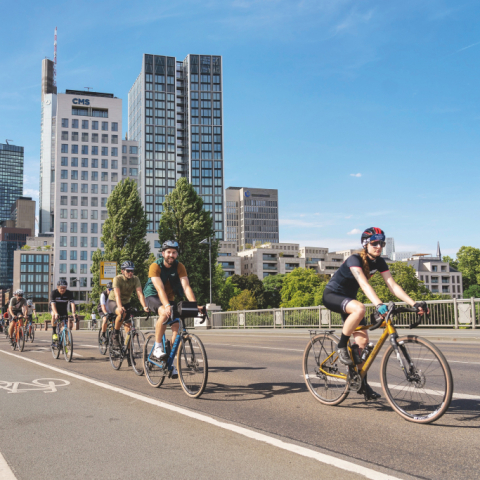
469 363
254 346
5 471
306 452
89 346
77 354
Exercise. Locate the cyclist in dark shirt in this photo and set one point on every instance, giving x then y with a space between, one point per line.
60 299
341 292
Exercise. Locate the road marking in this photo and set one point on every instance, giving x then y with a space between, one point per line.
35 386
77 354
89 346
261 437
469 363
253 346
5 471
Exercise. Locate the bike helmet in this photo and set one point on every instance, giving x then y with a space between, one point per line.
19 292
372 234
109 285
127 265
62 283
30 303
170 244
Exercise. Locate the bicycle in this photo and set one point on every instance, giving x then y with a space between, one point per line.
6 324
65 340
192 363
18 341
131 346
104 341
30 330
415 376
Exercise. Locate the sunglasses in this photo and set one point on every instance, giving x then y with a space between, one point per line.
378 244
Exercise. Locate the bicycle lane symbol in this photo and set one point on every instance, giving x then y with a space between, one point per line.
49 385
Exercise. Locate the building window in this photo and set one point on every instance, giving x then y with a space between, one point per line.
85 125
74 148
94 125
84 150
64 148
114 127
64 122
104 125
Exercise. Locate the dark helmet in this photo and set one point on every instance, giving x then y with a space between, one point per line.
109 285
372 234
127 265
62 283
170 244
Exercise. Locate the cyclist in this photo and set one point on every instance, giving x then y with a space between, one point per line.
103 307
31 310
340 294
167 278
119 299
93 319
60 299
17 306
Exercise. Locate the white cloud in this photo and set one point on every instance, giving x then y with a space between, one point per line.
29 192
355 231
355 174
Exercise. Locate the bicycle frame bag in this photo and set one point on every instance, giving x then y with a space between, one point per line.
187 309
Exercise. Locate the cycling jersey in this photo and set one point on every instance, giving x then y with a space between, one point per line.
61 301
31 309
17 304
104 301
344 283
170 278
127 286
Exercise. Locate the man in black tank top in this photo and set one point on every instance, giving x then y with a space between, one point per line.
341 292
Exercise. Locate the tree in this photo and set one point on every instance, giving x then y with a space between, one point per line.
185 220
405 276
469 264
299 288
26 247
249 282
225 292
243 301
472 291
453 263
123 235
271 297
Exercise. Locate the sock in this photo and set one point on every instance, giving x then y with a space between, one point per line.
54 330
159 345
117 332
343 341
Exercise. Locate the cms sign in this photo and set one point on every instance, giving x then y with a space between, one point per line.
81 101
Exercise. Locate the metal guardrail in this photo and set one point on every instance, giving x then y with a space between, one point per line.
454 313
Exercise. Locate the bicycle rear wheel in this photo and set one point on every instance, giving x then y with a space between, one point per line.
154 374
320 363
103 341
68 345
424 393
136 352
20 339
192 365
32 333
116 354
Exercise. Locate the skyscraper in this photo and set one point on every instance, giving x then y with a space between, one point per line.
11 177
175 112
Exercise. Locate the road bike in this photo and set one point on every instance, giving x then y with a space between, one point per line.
103 341
131 346
65 340
18 341
192 363
415 376
30 330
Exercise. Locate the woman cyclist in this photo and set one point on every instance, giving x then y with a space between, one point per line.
340 294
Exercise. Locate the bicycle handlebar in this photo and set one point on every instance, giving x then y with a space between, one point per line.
393 310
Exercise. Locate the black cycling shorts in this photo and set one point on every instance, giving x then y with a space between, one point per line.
338 303
112 306
154 303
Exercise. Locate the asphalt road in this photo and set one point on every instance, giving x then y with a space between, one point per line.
255 383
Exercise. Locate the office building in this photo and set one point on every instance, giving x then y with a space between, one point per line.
82 164
11 239
11 177
321 260
175 113
251 216
22 212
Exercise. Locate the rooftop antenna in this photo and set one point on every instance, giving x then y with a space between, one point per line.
87 88
55 59
8 140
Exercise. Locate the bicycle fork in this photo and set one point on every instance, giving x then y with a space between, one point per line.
404 361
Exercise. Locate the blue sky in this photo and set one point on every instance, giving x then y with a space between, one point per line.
361 113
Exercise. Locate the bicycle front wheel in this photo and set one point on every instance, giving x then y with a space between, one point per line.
20 339
323 370
136 352
192 365
103 341
155 374
68 345
423 393
115 354
32 333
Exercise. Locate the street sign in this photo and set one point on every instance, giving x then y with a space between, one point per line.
108 271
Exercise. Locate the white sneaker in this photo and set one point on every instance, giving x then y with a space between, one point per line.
174 372
159 353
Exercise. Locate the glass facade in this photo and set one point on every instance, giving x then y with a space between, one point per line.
9 242
11 178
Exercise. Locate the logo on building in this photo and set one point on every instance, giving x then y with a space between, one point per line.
81 101
247 193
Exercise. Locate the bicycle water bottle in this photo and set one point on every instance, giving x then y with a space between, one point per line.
127 338
367 351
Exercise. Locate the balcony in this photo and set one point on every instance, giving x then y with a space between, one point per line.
267 266
267 256
291 266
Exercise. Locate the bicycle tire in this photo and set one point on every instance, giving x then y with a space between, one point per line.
67 345
32 333
154 374
103 342
116 354
328 390
136 352
192 365
426 397
20 339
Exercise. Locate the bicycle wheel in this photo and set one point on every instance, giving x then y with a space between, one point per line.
68 345
192 365
154 374
20 339
103 341
424 393
116 354
320 363
32 333
136 352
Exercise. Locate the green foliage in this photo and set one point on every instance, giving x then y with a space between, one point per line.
271 297
249 282
472 291
453 263
299 288
405 276
468 259
185 220
26 247
123 235
245 300
48 247
43 317
225 292
39 249
318 294
248 246
280 254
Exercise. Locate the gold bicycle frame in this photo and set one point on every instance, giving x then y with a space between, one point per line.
388 330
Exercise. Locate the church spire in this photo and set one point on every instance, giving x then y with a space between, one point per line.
439 253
